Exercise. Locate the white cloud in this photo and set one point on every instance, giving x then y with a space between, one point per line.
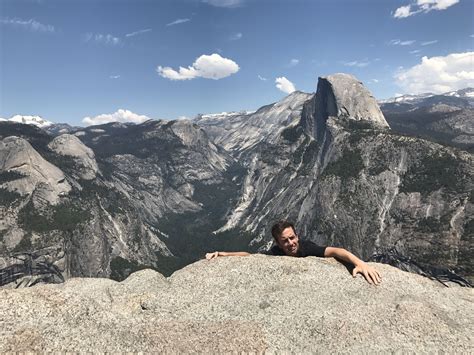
423 6
224 3
438 74
107 39
114 76
428 5
375 81
403 11
119 116
427 43
415 51
236 36
472 36
30 24
397 42
356 63
206 66
294 62
261 78
284 85
178 21
138 32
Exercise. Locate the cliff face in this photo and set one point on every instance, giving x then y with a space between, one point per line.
252 304
126 185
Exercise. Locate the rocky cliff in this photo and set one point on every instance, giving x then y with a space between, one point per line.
251 304
129 189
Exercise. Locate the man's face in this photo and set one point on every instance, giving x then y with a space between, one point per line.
288 241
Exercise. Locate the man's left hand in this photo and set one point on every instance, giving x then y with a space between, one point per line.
371 275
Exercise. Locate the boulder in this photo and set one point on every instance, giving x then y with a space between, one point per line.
249 304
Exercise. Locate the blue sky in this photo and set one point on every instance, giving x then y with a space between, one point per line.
84 61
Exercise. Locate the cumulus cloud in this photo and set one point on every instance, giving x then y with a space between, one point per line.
284 85
423 6
206 66
397 42
427 43
132 34
119 116
261 78
438 74
236 36
178 21
224 3
403 11
107 39
31 25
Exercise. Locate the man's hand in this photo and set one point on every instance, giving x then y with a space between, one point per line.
214 255
371 275
210 256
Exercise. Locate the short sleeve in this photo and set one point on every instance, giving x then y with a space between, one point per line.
275 250
312 249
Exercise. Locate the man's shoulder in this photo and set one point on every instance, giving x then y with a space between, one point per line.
309 248
274 250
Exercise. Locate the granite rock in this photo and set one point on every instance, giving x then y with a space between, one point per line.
251 304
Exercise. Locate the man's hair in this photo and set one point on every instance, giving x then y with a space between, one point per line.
279 227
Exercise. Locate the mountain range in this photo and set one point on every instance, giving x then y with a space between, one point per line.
446 118
110 199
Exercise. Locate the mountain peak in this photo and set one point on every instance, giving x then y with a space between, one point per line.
32 120
345 97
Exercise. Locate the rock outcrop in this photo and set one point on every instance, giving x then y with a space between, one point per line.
347 98
251 304
35 173
84 158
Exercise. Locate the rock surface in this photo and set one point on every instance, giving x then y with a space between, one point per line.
351 100
84 157
18 156
249 304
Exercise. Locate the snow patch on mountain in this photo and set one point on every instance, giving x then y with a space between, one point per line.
412 98
32 120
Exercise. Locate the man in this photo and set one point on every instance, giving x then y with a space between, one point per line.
288 243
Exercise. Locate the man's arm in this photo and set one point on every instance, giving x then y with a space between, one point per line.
371 275
210 256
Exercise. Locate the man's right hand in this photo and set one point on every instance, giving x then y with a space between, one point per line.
210 256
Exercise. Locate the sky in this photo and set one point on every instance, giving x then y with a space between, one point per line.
87 62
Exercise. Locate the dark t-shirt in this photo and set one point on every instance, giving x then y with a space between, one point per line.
306 248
